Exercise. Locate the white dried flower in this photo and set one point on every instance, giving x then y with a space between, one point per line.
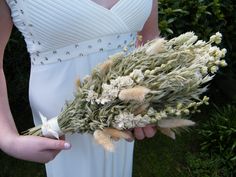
147 72
216 38
104 100
204 70
214 51
179 105
160 115
181 39
223 51
192 40
151 111
92 96
223 63
214 69
122 82
200 43
137 75
109 93
186 111
205 99
127 120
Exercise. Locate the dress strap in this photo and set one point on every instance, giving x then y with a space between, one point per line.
85 48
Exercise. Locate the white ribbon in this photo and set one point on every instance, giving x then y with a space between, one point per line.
50 128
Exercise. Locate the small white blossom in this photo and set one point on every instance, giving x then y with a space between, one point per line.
92 96
216 38
181 39
147 72
214 69
137 75
213 50
109 93
124 81
204 70
103 100
223 63
192 40
200 43
127 120
186 111
223 51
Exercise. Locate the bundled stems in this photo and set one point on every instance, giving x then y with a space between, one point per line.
159 83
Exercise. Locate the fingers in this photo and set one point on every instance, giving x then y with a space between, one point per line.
52 147
55 144
149 131
145 132
51 144
138 133
37 149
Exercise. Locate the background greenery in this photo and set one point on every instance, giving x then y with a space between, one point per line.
207 150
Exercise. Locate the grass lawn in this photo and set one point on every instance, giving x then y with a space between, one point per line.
10 167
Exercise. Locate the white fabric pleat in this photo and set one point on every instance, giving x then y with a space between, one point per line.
48 25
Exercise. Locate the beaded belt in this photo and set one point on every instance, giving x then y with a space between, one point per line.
82 49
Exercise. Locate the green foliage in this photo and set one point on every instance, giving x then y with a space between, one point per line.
17 69
205 17
218 135
10 167
161 156
216 156
197 15
204 165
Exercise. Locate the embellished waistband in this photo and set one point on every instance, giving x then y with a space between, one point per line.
84 48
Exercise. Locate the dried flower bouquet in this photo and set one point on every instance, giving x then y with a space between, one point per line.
159 83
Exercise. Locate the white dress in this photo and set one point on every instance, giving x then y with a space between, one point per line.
65 40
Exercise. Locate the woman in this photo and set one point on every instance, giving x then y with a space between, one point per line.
65 41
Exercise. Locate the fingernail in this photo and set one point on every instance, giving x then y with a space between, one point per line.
67 146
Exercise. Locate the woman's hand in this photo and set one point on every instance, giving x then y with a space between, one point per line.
33 148
141 133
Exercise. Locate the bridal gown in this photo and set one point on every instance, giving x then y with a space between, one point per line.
65 40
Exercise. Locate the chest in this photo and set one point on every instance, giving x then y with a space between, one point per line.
108 4
56 23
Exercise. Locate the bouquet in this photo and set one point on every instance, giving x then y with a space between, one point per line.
159 83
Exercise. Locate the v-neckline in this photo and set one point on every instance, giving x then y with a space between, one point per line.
105 8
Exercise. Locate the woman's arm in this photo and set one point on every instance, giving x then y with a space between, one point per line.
7 126
150 31
30 148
